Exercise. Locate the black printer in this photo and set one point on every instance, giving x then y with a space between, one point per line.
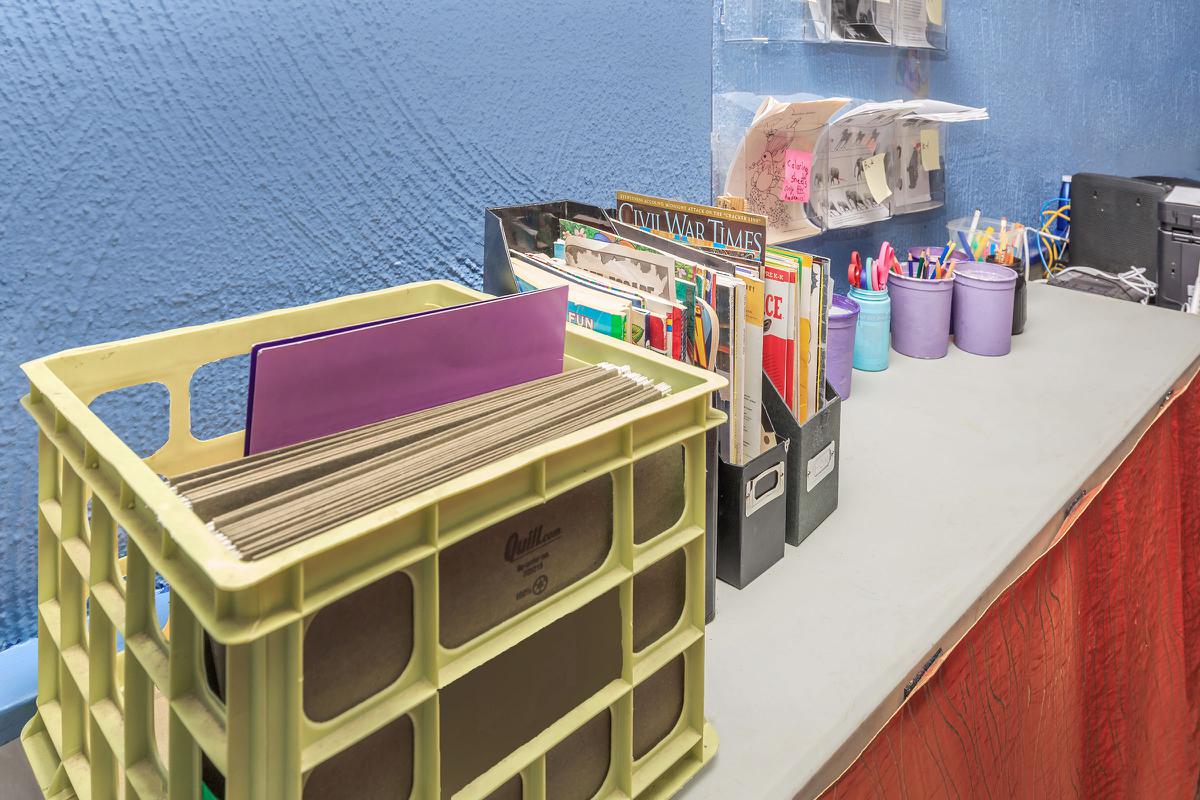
1178 246
1149 222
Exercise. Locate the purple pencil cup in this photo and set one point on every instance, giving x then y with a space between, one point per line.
983 308
921 315
839 344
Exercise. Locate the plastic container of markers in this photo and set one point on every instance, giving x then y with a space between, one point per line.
872 338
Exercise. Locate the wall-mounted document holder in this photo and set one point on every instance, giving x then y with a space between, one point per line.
900 23
812 164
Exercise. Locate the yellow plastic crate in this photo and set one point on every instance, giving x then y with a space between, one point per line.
145 721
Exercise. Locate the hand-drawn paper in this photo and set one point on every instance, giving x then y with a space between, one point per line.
759 166
797 173
931 151
876 177
861 21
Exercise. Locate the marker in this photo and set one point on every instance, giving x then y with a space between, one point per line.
974 227
965 243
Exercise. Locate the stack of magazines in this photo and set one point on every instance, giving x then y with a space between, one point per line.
698 284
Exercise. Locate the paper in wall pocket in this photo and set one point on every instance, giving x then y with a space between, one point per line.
934 9
876 175
931 153
797 174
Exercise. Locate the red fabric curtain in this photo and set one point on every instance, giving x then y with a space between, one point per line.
1083 678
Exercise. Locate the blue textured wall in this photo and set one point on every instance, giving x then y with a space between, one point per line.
1072 86
171 163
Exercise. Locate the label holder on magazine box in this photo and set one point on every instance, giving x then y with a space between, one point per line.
752 515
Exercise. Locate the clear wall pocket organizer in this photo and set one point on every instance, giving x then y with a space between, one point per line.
901 23
812 164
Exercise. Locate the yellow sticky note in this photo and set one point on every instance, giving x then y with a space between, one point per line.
934 9
876 176
931 149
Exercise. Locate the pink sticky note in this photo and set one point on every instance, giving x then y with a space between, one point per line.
797 169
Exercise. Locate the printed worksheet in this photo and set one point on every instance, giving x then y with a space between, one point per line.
912 23
861 21
862 163
911 178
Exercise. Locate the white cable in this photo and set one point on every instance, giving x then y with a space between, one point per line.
1134 279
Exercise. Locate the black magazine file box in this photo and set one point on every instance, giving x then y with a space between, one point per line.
813 460
752 516
534 227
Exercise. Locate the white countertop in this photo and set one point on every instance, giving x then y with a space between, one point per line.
817 651
954 475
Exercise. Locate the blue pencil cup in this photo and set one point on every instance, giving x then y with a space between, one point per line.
872 339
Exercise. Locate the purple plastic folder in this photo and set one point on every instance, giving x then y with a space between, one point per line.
324 383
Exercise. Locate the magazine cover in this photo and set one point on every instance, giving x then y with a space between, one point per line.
733 235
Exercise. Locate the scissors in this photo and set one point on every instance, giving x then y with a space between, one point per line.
855 273
887 257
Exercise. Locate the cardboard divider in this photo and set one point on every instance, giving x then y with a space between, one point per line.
493 575
658 703
658 493
577 768
510 699
380 767
659 597
513 790
367 634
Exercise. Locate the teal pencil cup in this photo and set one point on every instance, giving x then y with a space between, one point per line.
872 340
